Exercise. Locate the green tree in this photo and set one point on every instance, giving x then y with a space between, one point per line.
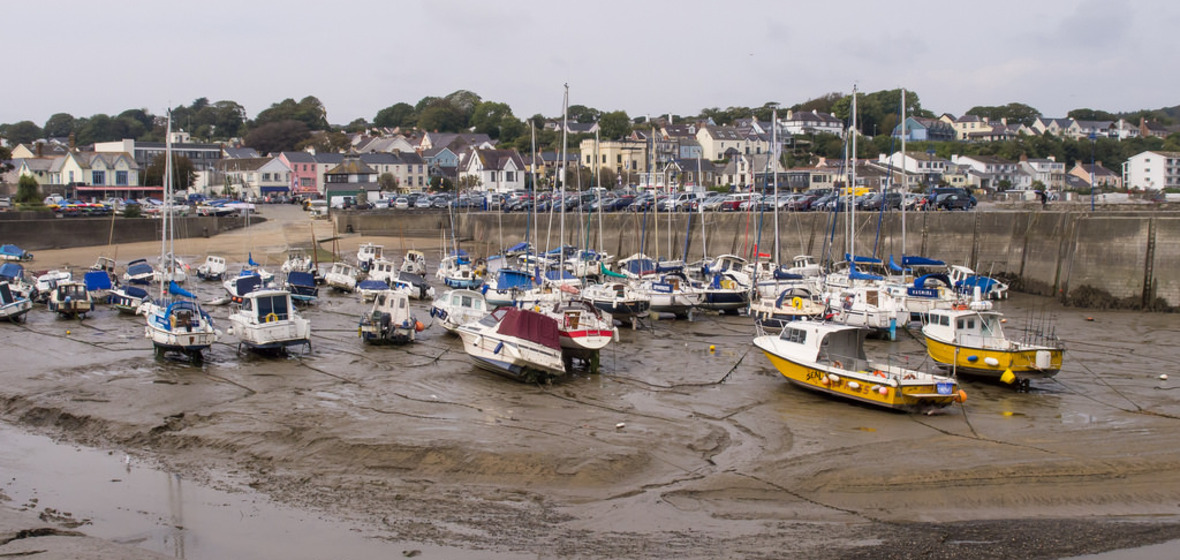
184 174
441 116
398 114
465 102
582 114
490 117
23 132
469 182
27 191
308 111
387 182
1014 112
614 125
1091 115
325 142
822 104
60 125
280 136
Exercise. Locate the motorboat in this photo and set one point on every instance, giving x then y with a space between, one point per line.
98 283
267 321
44 284
177 323
391 320
366 253
517 343
245 282
671 292
213 269
301 284
18 282
970 339
966 280
128 299
456 272
383 270
10 252
421 288
341 277
171 268
368 289
70 299
414 262
792 304
457 307
13 306
298 261
619 299
830 358
139 272
584 329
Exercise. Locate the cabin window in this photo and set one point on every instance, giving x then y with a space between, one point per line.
971 324
402 304
959 324
871 297
944 321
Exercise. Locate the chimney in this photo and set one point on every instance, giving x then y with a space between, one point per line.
1004 121
1023 158
1053 158
1097 164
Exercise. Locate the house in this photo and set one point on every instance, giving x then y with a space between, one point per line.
920 129
304 179
386 144
967 125
1056 127
920 167
37 168
1050 172
493 170
622 156
716 141
252 177
812 122
692 173
1095 175
457 142
1148 171
408 168
1147 129
39 150
989 172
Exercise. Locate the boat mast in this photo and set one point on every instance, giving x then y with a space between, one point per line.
774 176
167 215
598 183
704 249
905 188
565 109
533 171
852 185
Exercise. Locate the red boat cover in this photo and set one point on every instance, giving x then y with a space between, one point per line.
531 326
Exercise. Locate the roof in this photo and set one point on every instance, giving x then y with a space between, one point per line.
351 166
498 159
299 157
243 164
241 153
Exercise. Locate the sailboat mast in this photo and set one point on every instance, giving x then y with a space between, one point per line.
598 183
536 217
565 109
774 176
704 249
905 188
166 225
852 183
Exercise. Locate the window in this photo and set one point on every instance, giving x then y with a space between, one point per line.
98 177
509 176
121 178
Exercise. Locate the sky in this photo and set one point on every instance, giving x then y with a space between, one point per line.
644 57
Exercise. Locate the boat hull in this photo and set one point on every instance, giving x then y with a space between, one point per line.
15 311
512 359
992 363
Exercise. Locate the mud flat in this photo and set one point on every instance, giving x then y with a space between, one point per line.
675 451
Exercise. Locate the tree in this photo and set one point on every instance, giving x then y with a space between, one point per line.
582 114
325 142
489 118
398 114
388 182
464 101
614 125
60 125
1091 115
23 132
441 116
27 190
281 136
1014 112
184 174
469 182
441 183
308 111
822 104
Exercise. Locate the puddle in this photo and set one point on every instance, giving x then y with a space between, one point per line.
125 501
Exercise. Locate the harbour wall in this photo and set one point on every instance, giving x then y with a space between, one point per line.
1108 259
33 232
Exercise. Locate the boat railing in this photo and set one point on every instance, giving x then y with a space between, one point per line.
892 367
982 341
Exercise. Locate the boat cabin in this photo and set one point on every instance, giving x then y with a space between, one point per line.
839 345
966 327
268 307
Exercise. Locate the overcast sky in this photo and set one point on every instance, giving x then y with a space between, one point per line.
644 57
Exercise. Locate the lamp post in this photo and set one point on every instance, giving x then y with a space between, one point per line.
1093 144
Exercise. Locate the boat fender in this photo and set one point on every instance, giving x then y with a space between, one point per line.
824 381
991 361
834 378
1008 377
499 347
883 390
418 326
960 397
973 358
854 385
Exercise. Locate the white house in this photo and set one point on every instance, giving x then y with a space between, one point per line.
495 170
1147 171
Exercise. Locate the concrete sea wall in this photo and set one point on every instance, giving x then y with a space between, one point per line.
1111 258
35 233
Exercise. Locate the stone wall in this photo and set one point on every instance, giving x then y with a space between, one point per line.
60 233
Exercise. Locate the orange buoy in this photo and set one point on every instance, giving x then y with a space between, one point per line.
961 396
418 326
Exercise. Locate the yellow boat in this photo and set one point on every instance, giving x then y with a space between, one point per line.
830 358
971 341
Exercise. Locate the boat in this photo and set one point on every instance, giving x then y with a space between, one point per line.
177 323
298 261
456 272
341 277
252 267
507 286
139 272
47 282
128 299
724 292
301 284
671 292
457 307
212 269
970 339
619 299
368 289
792 304
966 280
245 282
414 262
517 343
366 253
583 329
383 270
98 283
18 282
13 306
830 358
421 288
171 268
70 299
391 319
10 252
267 321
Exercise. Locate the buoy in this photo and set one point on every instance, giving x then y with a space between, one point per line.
67 332
973 358
883 390
712 348
418 326
620 426
961 396
991 361
1002 320
1163 377
853 385
1089 318
1007 413
1008 376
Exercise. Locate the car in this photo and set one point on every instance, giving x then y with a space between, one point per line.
935 194
401 203
954 201
733 202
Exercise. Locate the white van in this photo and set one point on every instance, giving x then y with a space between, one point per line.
317 208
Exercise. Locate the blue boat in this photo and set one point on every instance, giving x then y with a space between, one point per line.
302 286
14 253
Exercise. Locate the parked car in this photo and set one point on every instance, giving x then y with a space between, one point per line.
937 201
401 203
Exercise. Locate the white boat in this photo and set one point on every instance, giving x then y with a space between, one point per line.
18 282
421 288
13 306
245 282
414 262
366 253
672 292
171 269
584 330
268 321
341 277
176 323
619 299
792 304
128 299
457 307
384 270
517 343
47 282
456 272
390 320
966 280
139 272
830 359
70 299
213 268
298 261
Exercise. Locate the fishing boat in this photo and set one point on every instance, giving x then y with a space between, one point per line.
177 323
13 306
139 272
341 277
671 292
414 262
369 288
391 320
792 304
298 261
383 270
458 307
268 322
366 253
421 288
128 299
830 358
47 282
70 299
619 299
301 284
517 343
10 252
213 269
970 339
456 272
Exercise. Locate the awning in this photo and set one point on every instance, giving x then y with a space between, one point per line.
265 190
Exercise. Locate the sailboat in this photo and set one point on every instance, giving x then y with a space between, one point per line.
175 323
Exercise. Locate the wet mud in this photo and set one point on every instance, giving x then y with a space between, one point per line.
687 445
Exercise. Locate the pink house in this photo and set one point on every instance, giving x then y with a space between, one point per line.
303 172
